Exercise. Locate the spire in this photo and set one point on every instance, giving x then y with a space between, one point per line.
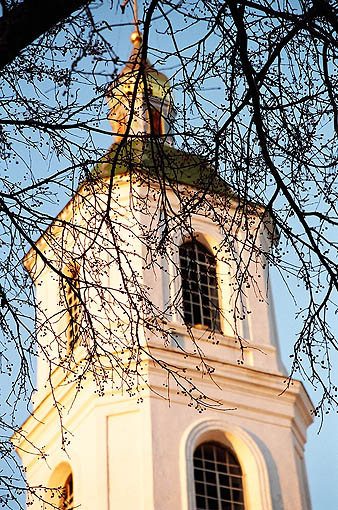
136 20
136 37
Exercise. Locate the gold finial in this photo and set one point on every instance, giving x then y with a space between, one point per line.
136 39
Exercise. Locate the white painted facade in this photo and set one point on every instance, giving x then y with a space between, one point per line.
126 454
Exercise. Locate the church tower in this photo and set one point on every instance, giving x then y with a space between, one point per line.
159 386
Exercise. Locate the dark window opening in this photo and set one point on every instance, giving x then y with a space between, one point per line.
155 122
66 502
73 306
199 286
218 479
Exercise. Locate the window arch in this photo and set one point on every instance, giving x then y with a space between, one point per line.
199 286
218 478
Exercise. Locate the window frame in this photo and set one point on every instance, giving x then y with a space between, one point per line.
218 477
213 296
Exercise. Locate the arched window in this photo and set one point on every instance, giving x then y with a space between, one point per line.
66 501
218 478
199 286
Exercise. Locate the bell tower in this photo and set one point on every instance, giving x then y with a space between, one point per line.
157 388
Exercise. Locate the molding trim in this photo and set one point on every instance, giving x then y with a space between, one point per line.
256 483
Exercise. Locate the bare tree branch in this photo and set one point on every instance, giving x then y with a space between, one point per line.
26 21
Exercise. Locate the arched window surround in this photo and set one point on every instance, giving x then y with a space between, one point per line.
256 484
212 240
